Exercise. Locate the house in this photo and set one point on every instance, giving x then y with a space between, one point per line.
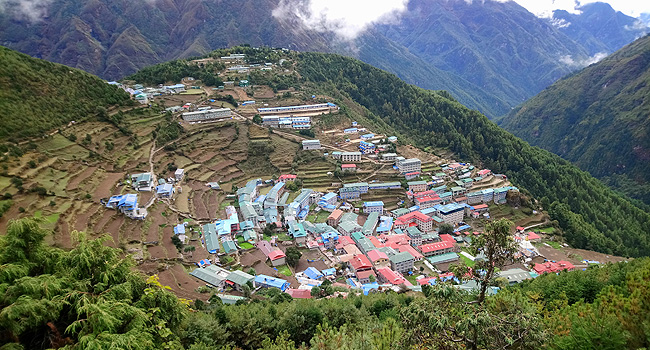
427 199
415 234
237 279
551 266
178 174
515 276
275 255
229 247
297 231
367 136
127 204
311 144
437 248
370 224
417 186
388 156
313 273
321 107
328 198
346 228
165 190
377 257
423 222
349 168
299 293
353 190
213 275
208 114
265 281
287 178
417 256
451 213
142 181
387 275
350 131
402 262
409 165
364 276
271 200
385 225
373 207
350 157
334 218
360 263
364 244
443 258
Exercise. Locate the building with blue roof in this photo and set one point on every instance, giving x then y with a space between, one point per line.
329 272
272 198
385 225
265 281
179 229
165 190
367 136
313 273
327 198
330 239
452 213
127 204
372 207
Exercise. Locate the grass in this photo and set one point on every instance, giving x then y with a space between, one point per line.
547 230
192 92
283 237
412 279
284 269
554 244
246 245
467 260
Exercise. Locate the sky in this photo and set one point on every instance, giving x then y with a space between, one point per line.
544 8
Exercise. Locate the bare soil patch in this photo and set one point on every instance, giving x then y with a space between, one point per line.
77 179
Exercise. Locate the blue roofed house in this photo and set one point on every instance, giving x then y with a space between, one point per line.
179 229
265 281
128 205
142 181
330 239
165 190
313 273
297 231
376 206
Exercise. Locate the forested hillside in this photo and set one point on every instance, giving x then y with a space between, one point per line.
591 215
38 96
89 298
598 118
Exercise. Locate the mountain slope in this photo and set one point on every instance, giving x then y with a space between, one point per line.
37 95
490 55
598 118
591 214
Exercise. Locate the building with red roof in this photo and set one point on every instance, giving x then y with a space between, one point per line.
426 280
552 266
396 239
299 293
532 236
274 254
335 217
360 263
437 248
445 237
377 257
427 201
364 276
375 242
387 275
287 178
349 167
416 218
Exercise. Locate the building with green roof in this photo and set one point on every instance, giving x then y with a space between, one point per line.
402 262
238 278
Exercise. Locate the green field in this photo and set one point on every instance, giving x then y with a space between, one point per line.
467 260
246 245
193 92
284 269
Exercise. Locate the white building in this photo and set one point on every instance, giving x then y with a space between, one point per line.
350 157
409 165
179 173
311 144
210 114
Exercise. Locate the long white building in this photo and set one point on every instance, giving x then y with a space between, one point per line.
210 114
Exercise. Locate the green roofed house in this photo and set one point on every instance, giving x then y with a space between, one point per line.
211 238
402 262
371 223
238 278
364 244
399 212
346 228
230 299
229 247
443 258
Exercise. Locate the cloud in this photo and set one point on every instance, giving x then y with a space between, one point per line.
31 10
559 22
346 18
583 62
638 25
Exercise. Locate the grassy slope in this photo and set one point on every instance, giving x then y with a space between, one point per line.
598 118
37 95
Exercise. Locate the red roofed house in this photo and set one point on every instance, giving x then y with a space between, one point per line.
377 257
396 239
445 237
364 276
360 263
426 280
286 178
427 201
335 217
276 256
423 222
299 293
484 172
437 248
375 242
532 236
520 229
349 168
550 266
386 275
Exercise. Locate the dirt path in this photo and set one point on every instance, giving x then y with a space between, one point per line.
79 178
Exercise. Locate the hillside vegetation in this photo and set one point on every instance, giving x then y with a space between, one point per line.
38 96
598 118
89 298
591 215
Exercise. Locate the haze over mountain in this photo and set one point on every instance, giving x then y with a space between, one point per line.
598 118
490 55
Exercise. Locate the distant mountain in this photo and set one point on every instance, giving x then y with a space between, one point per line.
598 118
599 28
490 55
37 96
